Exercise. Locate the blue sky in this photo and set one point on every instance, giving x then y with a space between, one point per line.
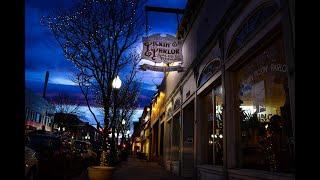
42 52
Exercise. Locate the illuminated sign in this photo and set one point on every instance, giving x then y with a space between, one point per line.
158 49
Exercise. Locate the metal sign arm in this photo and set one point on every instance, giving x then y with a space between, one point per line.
164 10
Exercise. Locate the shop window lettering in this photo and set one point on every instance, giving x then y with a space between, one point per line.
264 117
265 69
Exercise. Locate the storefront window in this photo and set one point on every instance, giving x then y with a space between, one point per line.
207 112
213 125
218 126
265 123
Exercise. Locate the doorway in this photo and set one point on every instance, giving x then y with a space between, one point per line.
188 133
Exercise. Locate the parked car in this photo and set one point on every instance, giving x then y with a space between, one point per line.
31 164
46 145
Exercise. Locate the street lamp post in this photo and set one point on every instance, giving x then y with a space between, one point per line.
122 131
116 84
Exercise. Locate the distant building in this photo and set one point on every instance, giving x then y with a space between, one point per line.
75 127
136 141
38 112
141 138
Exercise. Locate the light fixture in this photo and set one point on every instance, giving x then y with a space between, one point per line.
148 109
220 136
63 129
215 136
116 83
266 126
123 122
212 135
59 129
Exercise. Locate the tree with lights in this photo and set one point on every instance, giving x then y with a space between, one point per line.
127 102
99 37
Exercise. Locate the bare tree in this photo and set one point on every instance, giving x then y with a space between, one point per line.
63 103
98 36
127 101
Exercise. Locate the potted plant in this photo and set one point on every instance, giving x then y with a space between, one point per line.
101 172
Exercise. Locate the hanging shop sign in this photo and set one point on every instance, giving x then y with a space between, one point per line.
145 67
162 49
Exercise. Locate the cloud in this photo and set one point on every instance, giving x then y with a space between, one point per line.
63 81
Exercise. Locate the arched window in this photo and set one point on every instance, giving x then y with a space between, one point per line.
209 70
255 20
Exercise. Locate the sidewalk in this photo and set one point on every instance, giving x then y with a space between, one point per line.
136 169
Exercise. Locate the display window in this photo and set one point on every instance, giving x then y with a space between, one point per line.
217 135
213 125
264 111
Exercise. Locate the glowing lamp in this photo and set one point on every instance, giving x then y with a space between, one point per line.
116 83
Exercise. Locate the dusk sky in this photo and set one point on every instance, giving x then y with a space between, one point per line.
42 52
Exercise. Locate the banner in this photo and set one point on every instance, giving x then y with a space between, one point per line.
145 67
160 49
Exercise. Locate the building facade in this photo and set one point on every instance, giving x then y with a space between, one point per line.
231 114
39 113
141 135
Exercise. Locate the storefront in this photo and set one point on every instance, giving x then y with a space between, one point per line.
245 119
232 113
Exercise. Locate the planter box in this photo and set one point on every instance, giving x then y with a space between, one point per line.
100 172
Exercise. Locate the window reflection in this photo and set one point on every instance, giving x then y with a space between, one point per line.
218 126
213 125
265 121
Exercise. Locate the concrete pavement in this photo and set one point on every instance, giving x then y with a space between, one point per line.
136 169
